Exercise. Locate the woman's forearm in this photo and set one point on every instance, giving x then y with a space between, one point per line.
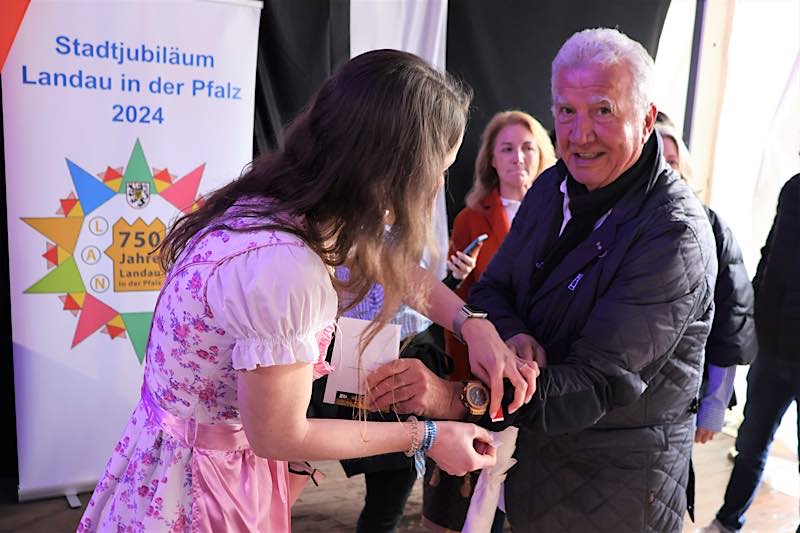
442 306
273 402
431 297
323 440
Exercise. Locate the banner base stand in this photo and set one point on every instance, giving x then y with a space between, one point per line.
69 492
72 500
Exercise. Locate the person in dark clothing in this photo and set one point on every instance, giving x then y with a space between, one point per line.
732 340
389 478
773 382
606 279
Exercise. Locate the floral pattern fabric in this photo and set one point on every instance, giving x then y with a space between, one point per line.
233 301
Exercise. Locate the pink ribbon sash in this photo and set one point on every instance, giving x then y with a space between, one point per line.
235 491
226 437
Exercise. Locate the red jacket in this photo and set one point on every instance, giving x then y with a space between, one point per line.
489 218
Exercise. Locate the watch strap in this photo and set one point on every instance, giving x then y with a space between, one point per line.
464 314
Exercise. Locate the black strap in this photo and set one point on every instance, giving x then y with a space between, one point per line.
690 492
310 472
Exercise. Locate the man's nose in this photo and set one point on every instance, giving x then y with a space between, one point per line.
582 131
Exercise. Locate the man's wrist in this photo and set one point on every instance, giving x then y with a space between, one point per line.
475 399
455 409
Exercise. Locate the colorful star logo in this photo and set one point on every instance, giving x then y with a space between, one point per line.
103 233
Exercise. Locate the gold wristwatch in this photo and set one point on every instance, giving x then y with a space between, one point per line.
475 398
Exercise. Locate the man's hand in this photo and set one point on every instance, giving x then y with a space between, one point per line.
409 387
491 361
526 347
703 435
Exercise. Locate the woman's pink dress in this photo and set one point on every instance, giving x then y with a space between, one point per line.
233 301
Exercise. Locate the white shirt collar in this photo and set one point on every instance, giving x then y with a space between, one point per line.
508 201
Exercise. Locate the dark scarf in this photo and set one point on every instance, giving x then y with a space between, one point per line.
587 207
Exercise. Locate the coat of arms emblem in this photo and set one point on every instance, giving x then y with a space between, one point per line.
137 193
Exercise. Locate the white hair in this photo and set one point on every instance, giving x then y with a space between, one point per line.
607 47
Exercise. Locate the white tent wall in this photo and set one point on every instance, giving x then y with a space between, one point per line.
746 134
673 60
764 45
759 135
416 27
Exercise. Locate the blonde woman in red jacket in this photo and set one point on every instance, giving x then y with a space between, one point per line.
515 149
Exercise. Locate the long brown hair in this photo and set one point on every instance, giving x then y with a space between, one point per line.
371 142
485 178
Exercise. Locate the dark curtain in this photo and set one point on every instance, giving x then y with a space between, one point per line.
8 444
300 42
504 50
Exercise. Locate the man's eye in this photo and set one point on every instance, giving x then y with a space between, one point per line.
565 110
604 111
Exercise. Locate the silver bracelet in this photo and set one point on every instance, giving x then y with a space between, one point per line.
416 442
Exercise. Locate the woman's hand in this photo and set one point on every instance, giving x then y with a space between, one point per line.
528 348
456 447
461 264
492 361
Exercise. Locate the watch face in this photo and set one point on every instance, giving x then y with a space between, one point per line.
477 396
474 309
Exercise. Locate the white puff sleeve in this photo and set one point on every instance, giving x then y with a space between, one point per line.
273 301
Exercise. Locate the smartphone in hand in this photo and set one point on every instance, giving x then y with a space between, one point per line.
474 244
450 280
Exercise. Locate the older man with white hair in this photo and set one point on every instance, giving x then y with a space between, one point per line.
606 279
611 269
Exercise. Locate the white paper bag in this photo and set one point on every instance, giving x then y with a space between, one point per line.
346 383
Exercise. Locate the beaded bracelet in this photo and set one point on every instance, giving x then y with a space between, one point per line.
429 437
420 447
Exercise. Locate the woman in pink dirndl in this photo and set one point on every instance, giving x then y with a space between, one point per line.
247 310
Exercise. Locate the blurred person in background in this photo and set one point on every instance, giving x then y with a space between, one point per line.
732 340
773 381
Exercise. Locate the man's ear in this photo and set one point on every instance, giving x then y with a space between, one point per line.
649 122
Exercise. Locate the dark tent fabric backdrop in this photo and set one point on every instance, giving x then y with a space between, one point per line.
300 42
8 427
503 49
